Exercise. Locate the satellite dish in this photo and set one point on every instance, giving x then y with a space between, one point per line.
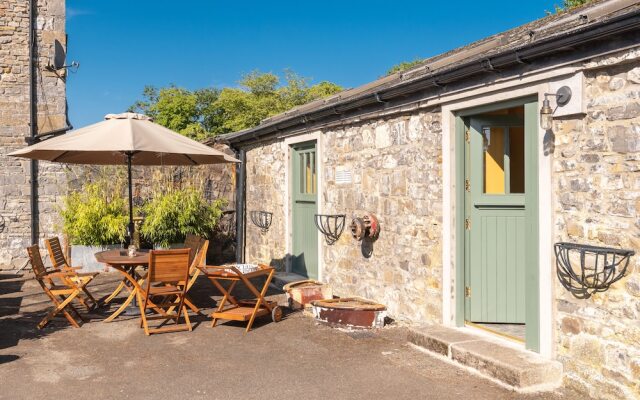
59 55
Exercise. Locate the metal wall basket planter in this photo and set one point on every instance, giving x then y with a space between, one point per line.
261 219
331 226
584 270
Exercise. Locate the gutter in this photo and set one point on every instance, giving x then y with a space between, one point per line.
524 54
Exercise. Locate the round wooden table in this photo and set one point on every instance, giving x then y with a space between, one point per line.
120 261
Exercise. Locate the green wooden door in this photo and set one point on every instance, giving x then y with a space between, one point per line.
304 197
496 168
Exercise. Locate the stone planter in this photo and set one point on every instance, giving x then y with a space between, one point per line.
84 256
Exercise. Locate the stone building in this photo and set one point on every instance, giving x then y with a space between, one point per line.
472 193
24 210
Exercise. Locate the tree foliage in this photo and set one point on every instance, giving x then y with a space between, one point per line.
403 66
210 111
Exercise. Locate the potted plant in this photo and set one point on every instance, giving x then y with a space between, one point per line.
94 219
171 215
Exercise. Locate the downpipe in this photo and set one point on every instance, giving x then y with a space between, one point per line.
33 122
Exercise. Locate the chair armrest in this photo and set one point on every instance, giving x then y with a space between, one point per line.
61 274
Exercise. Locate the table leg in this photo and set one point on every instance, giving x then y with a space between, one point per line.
226 297
115 292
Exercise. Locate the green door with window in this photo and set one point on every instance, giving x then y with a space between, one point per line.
497 165
304 198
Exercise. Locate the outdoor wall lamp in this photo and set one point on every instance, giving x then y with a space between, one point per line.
563 95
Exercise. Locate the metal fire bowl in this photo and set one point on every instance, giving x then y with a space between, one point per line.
350 312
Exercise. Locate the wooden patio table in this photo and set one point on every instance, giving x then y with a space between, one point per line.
132 280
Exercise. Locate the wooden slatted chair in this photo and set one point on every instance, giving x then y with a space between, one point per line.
59 286
192 242
166 279
194 270
59 262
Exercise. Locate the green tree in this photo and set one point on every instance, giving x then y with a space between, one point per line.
211 111
568 4
403 66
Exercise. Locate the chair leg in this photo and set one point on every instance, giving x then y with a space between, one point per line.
90 296
60 307
143 314
190 304
186 317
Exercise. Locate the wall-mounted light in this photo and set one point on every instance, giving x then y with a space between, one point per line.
563 95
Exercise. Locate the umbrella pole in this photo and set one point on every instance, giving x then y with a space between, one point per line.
131 227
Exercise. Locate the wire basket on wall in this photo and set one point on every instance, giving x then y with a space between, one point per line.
331 226
584 270
261 219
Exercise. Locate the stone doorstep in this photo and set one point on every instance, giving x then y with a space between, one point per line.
519 369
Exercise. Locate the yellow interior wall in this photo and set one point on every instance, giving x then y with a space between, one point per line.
494 163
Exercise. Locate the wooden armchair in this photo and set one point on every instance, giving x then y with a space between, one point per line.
62 287
167 280
59 262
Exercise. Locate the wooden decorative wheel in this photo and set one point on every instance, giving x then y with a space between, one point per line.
276 314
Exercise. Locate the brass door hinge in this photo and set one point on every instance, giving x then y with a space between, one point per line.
467 291
467 224
467 136
467 185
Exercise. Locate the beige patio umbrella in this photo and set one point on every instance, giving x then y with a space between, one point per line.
129 138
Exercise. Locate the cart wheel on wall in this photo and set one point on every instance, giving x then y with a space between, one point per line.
276 314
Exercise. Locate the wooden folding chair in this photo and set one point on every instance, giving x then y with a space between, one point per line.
194 270
59 262
192 242
61 294
166 279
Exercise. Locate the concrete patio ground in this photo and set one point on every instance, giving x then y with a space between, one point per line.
293 359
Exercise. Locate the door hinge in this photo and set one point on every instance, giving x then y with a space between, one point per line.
467 185
467 291
467 224
467 136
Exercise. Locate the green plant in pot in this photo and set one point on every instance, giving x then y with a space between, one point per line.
171 215
94 216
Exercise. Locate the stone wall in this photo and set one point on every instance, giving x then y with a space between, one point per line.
265 191
14 121
597 201
396 169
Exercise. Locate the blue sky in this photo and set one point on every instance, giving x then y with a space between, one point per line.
124 45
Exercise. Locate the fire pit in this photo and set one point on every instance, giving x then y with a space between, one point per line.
350 312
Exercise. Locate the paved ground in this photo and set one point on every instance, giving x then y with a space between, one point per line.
293 359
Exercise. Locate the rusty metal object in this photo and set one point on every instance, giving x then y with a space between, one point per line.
357 228
350 312
367 226
301 293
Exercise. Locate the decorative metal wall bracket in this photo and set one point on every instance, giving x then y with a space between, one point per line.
331 226
261 219
584 270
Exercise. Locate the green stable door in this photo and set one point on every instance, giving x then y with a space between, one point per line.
496 218
304 198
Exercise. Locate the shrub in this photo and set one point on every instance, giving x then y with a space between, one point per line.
92 217
170 216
